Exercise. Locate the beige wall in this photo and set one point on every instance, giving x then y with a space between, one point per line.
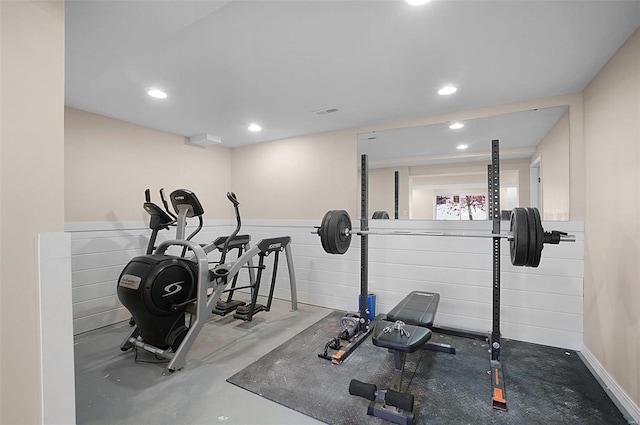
297 178
382 191
31 173
303 177
553 152
109 164
612 227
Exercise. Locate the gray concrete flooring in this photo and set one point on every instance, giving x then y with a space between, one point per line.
113 389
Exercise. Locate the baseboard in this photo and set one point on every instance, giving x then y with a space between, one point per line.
628 408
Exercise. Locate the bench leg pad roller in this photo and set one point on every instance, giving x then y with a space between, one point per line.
362 389
386 404
381 407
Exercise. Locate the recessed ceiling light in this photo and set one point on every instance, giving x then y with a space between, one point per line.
456 126
462 147
446 90
157 93
417 2
254 127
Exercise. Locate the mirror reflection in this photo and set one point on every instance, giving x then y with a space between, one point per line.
441 169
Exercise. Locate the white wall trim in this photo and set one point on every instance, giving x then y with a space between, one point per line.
619 397
56 329
565 226
89 226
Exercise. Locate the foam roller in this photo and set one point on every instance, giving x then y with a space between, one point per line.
399 400
362 389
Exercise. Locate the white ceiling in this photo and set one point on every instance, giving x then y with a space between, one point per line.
225 64
518 133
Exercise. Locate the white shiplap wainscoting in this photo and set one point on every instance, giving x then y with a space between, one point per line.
542 305
99 252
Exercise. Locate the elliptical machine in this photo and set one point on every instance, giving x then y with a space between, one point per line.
152 286
171 297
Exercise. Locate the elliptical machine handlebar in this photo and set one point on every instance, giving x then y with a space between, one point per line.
166 205
232 197
158 219
234 200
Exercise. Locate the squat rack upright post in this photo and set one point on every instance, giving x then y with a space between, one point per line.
364 244
396 192
498 399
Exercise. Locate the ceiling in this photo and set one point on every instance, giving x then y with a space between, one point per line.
518 133
225 64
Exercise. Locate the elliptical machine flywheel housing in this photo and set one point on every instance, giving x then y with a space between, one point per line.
155 289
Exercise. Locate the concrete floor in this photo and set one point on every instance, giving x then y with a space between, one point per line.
113 389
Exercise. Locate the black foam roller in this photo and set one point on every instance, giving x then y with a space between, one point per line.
399 400
362 389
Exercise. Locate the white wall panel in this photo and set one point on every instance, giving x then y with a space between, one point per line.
56 341
99 252
542 305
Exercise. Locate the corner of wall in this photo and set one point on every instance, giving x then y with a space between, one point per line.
628 408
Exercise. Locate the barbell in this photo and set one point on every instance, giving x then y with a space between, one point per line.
526 236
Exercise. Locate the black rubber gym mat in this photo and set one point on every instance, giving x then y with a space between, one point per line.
544 385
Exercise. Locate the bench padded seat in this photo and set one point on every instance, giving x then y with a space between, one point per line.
394 340
418 308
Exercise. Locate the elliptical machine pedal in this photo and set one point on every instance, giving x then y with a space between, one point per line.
241 244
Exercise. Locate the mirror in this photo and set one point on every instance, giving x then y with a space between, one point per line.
442 168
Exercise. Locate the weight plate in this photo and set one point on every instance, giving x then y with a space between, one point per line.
377 215
324 231
531 220
340 228
519 244
333 232
539 232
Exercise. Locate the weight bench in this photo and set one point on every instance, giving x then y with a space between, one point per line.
405 330
419 309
